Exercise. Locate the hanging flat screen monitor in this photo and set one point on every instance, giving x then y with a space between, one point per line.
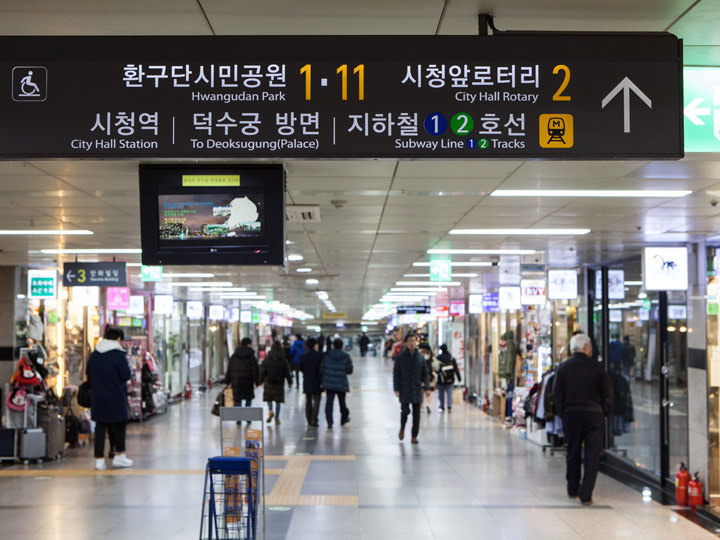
212 214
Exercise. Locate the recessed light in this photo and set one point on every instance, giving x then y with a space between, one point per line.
295 257
312 281
481 251
303 270
523 232
669 193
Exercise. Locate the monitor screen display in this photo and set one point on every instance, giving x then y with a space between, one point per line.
212 214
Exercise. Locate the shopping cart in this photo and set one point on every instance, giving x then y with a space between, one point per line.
229 500
233 482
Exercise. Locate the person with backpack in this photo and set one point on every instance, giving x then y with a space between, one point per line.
334 370
242 373
447 371
274 370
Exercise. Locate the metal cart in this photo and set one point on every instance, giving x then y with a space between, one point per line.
233 482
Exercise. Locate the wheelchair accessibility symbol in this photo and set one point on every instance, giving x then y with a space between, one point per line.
556 131
29 83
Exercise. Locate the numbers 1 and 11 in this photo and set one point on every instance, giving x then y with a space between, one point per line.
342 71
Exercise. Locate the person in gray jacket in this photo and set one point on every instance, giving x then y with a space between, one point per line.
409 375
334 370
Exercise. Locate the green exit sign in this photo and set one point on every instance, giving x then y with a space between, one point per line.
440 270
701 109
151 273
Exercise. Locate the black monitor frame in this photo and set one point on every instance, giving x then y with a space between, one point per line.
266 182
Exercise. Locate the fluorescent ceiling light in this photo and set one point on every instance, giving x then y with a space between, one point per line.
523 232
303 270
51 232
428 283
466 264
481 251
88 251
134 264
311 281
295 257
322 295
418 289
239 296
189 275
670 193
451 275
217 289
628 283
201 284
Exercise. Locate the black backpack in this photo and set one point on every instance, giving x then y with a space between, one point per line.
275 370
446 373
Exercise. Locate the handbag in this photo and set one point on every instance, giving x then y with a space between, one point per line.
84 395
17 398
219 402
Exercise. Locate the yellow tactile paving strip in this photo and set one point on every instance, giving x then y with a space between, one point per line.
285 492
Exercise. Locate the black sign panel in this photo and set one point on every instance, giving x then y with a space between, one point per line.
103 274
555 96
413 310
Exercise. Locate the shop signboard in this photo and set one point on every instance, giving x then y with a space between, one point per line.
216 312
677 312
616 285
665 268
42 283
562 285
194 309
163 304
136 305
246 316
491 302
457 308
507 95
616 316
532 292
509 298
475 303
457 344
118 298
413 310
95 274
442 312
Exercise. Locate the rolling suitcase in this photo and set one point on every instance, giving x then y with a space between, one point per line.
31 440
53 424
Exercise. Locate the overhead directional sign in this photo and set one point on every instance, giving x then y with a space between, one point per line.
101 274
702 109
535 95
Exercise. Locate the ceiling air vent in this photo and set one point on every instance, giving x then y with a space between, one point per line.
302 214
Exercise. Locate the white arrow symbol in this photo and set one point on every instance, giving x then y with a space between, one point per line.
69 275
626 85
693 112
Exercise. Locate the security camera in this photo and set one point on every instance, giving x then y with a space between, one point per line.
494 260
714 203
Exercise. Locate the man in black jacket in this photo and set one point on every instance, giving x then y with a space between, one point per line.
583 399
409 377
242 373
310 367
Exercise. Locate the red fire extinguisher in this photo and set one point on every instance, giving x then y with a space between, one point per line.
695 492
682 479
188 390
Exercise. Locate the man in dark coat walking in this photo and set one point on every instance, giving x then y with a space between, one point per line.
242 373
310 367
409 376
108 372
334 370
583 399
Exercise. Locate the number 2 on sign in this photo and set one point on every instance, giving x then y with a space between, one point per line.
558 96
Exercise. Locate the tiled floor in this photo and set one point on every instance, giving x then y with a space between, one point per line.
468 478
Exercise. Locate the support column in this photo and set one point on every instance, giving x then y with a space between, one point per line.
697 361
7 322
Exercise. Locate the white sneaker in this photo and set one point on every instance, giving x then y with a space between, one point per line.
121 460
100 464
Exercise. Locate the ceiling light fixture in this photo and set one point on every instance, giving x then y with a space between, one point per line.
98 251
467 275
668 193
214 284
295 257
311 281
524 232
464 264
189 275
303 270
427 283
481 251
50 232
